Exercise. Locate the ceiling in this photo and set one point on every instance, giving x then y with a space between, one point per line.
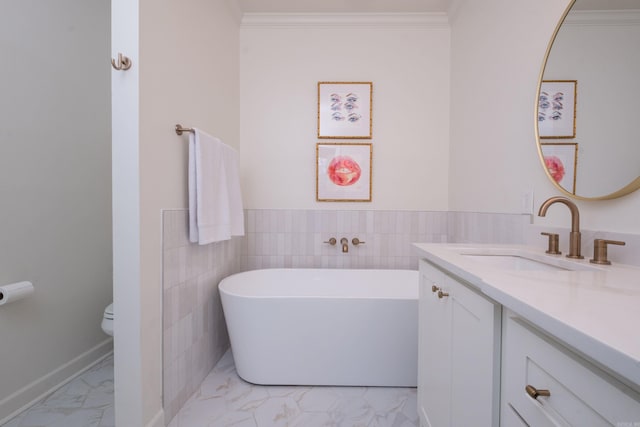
392 6
342 6
606 4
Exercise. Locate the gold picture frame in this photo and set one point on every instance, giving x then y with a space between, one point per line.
557 109
344 172
345 110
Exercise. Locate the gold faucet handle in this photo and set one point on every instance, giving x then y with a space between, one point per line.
355 241
553 243
600 250
332 241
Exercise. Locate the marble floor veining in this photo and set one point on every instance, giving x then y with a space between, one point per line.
225 400
85 401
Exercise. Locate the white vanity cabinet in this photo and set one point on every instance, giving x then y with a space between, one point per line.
520 345
580 393
459 352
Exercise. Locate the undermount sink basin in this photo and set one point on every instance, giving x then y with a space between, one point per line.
514 259
514 262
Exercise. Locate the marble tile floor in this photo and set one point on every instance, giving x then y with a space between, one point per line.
85 401
225 400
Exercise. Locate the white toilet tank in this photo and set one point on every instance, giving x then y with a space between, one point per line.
107 320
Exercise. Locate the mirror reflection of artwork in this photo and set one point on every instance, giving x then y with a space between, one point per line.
561 161
556 167
597 45
557 109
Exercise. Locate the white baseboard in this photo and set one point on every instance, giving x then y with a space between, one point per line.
157 420
37 390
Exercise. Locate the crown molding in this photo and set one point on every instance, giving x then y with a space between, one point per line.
234 9
603 17
346 20
453 9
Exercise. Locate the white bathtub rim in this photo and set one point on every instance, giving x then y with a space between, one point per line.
372 284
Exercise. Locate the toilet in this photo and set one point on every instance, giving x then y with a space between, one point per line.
107 320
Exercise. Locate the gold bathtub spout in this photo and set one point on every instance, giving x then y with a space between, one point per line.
345 245
574 236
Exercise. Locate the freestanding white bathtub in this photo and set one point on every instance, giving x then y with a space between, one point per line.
323 326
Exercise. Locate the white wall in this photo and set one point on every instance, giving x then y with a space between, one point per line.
188 65
497 51
188 73
126 215
282 61
55 192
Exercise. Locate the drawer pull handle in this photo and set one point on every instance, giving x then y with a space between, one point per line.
534 392
442 294
434 288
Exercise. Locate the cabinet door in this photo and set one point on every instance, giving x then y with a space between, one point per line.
434 353
459 353
580 394
475 357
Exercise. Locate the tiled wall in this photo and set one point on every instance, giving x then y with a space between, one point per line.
474 227
194 334
627 254
295 238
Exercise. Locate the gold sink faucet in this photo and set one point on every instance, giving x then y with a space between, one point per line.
574 236
600 250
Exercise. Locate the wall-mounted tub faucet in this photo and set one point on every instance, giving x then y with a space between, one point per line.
355 241
574 236
345 245
332 241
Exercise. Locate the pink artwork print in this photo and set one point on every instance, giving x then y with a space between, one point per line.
555 167
344 171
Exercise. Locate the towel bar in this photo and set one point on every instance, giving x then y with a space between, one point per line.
180 129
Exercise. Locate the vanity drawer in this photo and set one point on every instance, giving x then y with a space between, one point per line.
581 394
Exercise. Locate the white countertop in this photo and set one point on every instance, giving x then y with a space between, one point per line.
596 311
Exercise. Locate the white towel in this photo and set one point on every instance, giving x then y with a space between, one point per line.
236 211
215 200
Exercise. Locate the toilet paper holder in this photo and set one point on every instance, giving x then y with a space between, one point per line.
15 291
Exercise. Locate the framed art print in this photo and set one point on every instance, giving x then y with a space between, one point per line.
557 109
344 110
343 172
561 161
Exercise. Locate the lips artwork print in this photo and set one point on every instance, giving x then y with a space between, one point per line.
343 172
555 167
561 161
344 110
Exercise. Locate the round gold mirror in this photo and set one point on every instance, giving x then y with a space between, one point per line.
588 110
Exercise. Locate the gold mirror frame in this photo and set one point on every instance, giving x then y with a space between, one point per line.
629 188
